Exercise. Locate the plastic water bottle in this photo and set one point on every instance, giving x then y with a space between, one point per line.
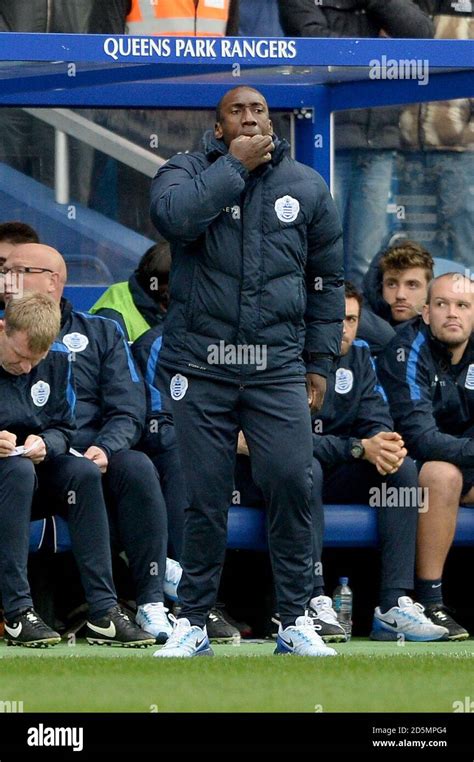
342 602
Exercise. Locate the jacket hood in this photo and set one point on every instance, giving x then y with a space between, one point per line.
66 310
150 308
214 148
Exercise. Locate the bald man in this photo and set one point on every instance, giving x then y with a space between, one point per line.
427 372
110 414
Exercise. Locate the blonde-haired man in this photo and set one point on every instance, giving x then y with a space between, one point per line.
36 425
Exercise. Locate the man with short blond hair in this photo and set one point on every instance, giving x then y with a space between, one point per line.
39 318
110 414
36 475
427 371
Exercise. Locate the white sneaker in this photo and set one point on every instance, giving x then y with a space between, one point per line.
186 640
325 620
173 573
407 621
302 640
152 617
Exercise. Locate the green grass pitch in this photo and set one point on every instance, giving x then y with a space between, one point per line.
365 677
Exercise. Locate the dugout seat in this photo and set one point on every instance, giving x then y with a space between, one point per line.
350 526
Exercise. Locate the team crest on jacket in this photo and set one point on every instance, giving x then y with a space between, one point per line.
287 208
470 377
178 386
75 342
40 393
344 380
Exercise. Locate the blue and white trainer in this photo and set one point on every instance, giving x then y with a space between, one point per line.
301 639
152 617
405 621
185 641
173 573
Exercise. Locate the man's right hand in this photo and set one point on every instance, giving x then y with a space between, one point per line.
7 443
386 451
252 151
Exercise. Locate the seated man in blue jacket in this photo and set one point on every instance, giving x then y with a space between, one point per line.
37 421
427 371
110 414
358 457
159 443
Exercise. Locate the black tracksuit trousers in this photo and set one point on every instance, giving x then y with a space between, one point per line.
275 419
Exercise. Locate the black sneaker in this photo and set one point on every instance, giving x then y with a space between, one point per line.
28 629
325 620
219 630
117 629
439 614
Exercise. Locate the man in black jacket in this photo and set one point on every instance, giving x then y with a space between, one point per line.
358 457
427 371
256 282
37 421
366 139
110 414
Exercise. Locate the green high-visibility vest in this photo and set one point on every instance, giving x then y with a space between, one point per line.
119 298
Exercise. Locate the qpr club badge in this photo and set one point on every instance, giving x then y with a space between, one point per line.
470 378
40 393
287 208
75 342
344 380
178 387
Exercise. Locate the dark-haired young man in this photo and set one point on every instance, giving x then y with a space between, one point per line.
395 289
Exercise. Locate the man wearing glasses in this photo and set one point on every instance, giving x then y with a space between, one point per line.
110 415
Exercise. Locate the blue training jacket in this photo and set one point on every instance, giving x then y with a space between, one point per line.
431 401
41 402
355 407
256 261
111 406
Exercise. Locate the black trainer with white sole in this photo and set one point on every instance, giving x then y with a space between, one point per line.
440 614
325 621
117 629
219 630
28 629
